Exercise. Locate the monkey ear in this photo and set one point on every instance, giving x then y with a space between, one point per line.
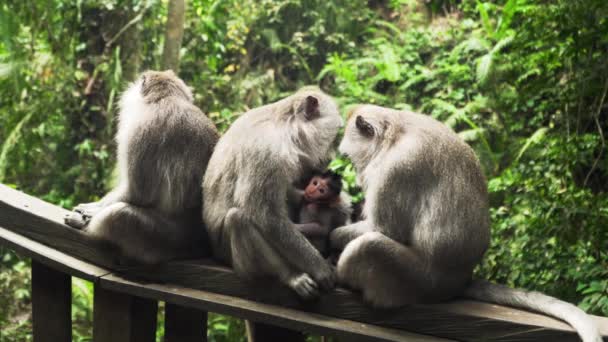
364 127
311 107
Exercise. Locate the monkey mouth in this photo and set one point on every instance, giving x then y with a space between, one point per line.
307 197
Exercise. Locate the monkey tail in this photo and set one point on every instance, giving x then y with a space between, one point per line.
536 301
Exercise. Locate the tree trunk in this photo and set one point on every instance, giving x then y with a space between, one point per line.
174 34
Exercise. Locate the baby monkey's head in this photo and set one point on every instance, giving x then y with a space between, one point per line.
323 187
157 85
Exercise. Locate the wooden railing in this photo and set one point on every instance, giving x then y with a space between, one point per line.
125 309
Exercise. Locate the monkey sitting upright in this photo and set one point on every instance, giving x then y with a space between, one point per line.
426 219
248 186
164 145
323 204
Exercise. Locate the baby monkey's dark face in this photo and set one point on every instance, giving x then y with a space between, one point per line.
323 188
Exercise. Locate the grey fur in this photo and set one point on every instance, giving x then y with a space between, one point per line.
248 184
426 220
164 145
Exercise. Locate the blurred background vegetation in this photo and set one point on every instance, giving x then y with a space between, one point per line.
523 81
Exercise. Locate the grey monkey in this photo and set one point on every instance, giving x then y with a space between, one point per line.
164 144
248 186
426 218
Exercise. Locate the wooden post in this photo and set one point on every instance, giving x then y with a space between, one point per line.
51 304
184 324
118 317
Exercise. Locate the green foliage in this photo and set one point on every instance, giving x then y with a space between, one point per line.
523 81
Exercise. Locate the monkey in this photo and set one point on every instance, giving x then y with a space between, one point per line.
164 143
323 203
426 219
249 184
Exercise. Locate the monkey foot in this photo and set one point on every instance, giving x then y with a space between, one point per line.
304 286
88 209
76 220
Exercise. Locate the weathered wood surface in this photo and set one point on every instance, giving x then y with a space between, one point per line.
260 312
51 304
42 221
195 280
50 256
118 317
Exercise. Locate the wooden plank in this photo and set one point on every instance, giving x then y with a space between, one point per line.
43 222
118 317
464 320
458 319
184 324
51 304
259 312
50 257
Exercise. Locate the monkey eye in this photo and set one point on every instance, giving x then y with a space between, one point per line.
322 191
314 183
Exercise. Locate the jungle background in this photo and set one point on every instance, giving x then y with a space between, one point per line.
523 81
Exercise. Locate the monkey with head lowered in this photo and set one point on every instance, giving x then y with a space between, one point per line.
323 207
248 186
426 218
164 144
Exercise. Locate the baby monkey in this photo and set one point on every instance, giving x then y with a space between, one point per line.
323 208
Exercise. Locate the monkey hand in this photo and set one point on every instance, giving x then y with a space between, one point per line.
325 276
304 286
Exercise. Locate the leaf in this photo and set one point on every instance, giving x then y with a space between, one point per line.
6 69
535 138
474 44
388 66
484 66
502 44
508 11
470 134
273 39
9 143
485 18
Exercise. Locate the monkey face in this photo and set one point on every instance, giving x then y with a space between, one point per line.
360 137
323 188
317 190
369 130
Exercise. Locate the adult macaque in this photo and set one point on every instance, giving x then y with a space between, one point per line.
323 207
426 222
164 144
249 182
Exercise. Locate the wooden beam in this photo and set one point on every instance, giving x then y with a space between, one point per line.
43 222
51 304
184 324
263 313
118 317
50 257
463 320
